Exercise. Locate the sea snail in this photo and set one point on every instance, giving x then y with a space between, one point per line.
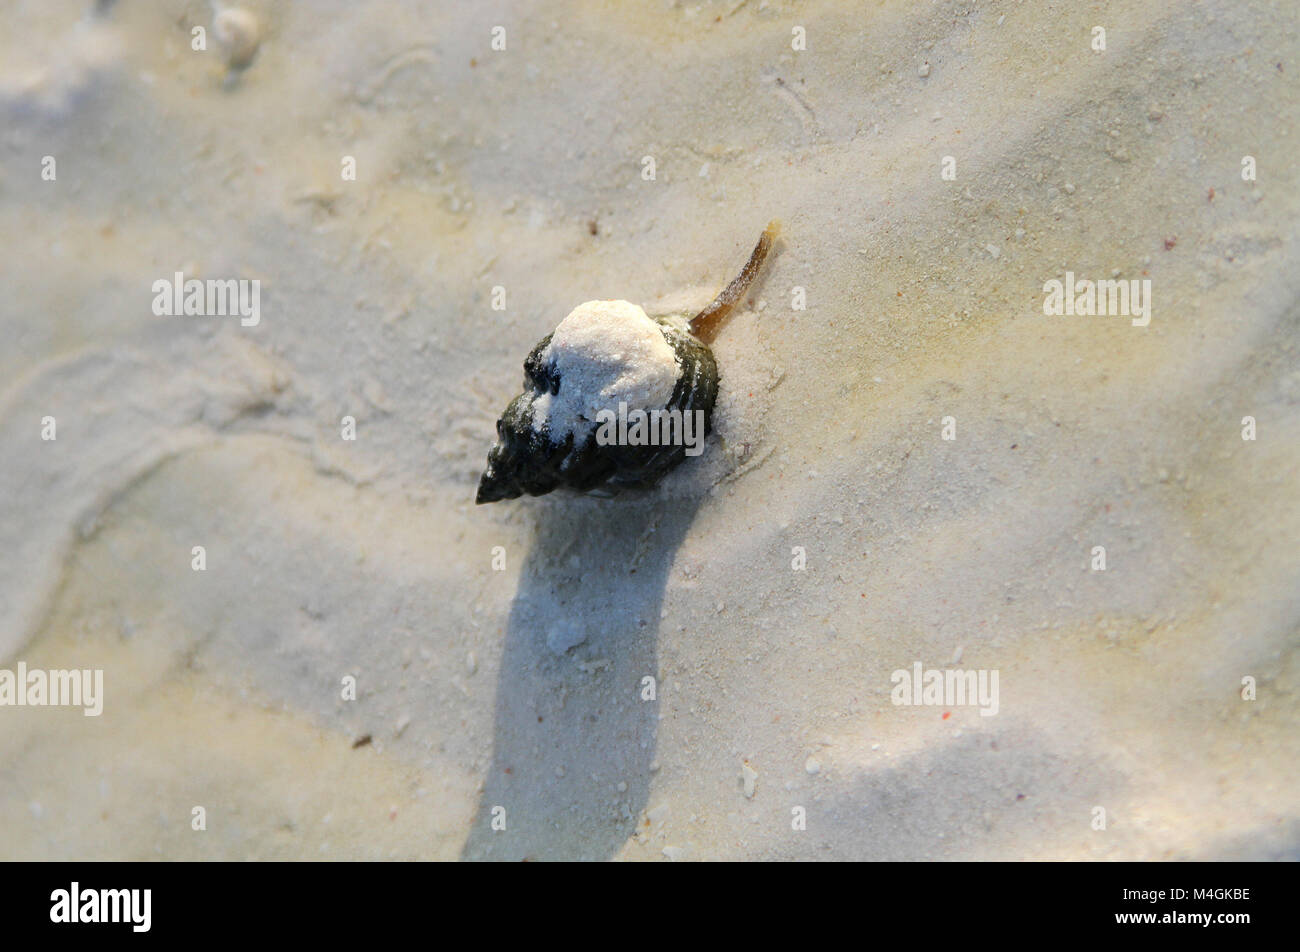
613 399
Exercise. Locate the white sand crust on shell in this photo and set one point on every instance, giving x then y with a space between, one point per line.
828 536
605 353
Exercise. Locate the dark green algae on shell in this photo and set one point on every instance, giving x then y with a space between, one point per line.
534 462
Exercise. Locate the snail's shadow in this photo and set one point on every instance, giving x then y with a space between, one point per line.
574 738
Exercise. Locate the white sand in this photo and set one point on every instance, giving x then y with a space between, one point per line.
479 169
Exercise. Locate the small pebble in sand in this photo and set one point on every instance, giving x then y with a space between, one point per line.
1069 189
563 635
750 777
813 766
924 71
239 34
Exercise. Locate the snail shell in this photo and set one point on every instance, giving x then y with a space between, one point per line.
607 353
537 454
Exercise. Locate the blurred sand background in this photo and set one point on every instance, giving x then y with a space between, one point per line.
522 169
